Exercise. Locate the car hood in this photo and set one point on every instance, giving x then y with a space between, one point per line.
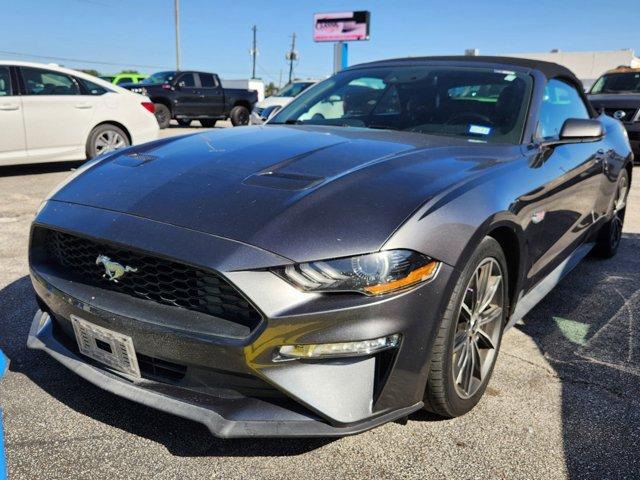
271 101
303 192
620 100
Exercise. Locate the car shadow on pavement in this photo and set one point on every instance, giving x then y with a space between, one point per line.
181 437
587 328
38 168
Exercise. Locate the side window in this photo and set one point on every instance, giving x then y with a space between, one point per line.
187 80
207 80
92 88
45 82
561 101
5 82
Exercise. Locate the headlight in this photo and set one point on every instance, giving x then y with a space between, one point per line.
371 274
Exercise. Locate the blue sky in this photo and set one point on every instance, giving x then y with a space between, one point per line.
216 34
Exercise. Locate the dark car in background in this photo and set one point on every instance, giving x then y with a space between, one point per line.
189 95
617 94
354 260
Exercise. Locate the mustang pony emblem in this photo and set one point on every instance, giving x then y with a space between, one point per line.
113 270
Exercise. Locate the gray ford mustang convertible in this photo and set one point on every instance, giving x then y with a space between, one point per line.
354 260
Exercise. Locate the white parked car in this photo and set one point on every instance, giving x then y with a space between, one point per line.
49 113
264 108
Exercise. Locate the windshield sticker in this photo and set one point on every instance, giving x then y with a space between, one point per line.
510 78
479 129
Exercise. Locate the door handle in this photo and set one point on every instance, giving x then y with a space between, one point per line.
9 106
83 105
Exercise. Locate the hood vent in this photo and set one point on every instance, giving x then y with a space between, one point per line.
283 180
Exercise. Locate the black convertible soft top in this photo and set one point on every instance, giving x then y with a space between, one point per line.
549 69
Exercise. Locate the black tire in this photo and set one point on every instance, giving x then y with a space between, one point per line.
610 234
184 122
442 395
163 115
106 138
239 116
208 123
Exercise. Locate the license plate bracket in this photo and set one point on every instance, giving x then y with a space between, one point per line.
106 346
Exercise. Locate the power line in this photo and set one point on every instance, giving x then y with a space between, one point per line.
66 59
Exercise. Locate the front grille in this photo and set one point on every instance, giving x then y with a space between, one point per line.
156 279
162 369
629 113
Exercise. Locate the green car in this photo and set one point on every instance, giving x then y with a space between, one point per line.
124 78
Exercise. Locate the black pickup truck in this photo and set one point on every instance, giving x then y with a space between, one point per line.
188 95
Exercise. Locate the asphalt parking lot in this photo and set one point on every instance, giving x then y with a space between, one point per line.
564 401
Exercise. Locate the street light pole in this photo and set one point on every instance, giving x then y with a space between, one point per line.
176 4
292 56
254 52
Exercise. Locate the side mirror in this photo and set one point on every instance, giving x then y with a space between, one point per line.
581 129
577 130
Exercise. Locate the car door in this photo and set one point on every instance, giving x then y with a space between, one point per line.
13 147
57 116
186 96
212 95
570 178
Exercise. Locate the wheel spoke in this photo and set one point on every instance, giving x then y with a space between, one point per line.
492 288
485 339
462 362
460 340
478 357
468 377
482 282
490 315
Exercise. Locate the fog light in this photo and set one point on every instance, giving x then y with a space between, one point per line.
335 350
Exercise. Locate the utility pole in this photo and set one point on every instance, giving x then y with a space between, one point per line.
176 4
291 56
254 52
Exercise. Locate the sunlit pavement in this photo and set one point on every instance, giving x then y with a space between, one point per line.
564 401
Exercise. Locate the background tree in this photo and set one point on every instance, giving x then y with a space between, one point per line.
90 71
270 89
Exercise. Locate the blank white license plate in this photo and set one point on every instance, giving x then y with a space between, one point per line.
106 346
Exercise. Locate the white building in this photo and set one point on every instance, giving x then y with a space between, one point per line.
587 66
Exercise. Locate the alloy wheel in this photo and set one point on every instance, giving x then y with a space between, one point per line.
478 329
108 141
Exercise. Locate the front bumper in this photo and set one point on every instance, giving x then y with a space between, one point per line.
231 383
225 417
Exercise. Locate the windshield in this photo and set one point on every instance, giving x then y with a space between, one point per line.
160 77
293 89
627 82
482 104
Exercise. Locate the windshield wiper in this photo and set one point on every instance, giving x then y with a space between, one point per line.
292 121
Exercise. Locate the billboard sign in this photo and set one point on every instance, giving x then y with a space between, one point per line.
341 26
